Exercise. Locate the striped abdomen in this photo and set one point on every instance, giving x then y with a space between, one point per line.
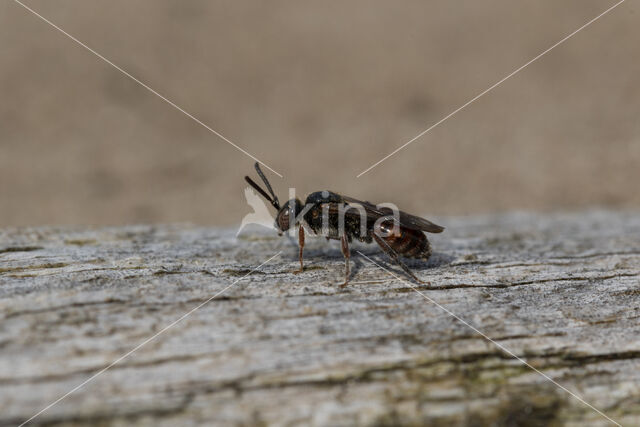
410 243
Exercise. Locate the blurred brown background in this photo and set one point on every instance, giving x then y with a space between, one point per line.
319 91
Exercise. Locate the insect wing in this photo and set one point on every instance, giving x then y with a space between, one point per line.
406 220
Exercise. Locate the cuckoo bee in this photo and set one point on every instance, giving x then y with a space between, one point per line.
343 218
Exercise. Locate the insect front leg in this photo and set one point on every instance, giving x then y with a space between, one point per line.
347 255
301 244
394 256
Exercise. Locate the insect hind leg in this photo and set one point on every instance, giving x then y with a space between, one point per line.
394 256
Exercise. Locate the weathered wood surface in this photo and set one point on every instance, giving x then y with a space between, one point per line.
561 291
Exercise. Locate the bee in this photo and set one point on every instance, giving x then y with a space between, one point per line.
337 217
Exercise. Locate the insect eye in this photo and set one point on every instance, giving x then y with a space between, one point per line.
283 221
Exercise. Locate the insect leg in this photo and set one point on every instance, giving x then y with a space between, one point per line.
347 254
394 256
301 244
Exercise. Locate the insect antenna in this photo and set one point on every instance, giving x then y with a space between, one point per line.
266 182
273 199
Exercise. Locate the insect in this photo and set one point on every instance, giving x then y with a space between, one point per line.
344 218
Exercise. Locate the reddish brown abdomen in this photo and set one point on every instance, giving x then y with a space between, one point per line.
410 243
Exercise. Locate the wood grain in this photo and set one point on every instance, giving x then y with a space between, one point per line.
560 291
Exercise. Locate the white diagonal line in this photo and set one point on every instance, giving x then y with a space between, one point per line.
498 83
151 338
500 346
177 107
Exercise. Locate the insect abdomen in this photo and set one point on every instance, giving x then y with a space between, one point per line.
410 243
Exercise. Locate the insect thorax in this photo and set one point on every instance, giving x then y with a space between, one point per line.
330 213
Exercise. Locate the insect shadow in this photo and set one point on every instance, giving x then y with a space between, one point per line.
437 259
326 254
